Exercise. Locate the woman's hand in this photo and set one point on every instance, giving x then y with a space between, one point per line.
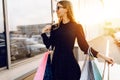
109 60
46 29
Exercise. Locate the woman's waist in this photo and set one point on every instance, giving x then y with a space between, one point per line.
64 49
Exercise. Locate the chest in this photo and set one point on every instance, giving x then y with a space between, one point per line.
65 32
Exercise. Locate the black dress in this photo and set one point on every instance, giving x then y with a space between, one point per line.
64 64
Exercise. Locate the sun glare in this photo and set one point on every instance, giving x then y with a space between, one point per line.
112 9
95 12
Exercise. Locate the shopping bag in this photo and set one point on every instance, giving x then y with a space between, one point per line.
96 71
87 71
106 73
48 70
90 70
42 66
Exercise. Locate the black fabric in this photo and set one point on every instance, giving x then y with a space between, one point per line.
64 64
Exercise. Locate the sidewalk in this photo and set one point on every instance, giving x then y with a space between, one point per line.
113 73
21 70
100 43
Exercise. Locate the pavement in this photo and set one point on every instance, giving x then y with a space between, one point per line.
100 44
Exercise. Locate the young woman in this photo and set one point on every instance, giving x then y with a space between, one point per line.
62 38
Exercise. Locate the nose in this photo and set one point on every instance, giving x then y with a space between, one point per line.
56 10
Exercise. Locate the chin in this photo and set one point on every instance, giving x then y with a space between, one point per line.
58 16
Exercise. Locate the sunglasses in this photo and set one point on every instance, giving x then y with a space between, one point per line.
58 7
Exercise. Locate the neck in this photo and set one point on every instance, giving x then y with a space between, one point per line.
65 19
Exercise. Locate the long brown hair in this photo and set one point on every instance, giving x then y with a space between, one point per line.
67 5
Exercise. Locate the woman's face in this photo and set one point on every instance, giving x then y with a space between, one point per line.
61 11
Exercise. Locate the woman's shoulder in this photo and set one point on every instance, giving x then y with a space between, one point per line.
77 25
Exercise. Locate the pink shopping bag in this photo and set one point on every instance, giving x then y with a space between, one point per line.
41 69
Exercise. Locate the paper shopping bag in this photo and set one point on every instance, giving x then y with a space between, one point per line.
41 68
48 70
90 70
96 71
87 71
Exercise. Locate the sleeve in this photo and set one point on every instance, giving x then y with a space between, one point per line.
48 41
82 41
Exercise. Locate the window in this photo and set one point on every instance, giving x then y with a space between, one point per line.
25 20
3 51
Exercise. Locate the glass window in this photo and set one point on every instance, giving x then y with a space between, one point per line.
26 18
3 51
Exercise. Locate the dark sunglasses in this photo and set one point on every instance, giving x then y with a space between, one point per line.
58 7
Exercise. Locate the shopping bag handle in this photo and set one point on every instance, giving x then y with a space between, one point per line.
108 76
90 53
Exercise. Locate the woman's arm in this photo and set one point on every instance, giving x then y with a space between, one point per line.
48 41
82 41
84 45
107 59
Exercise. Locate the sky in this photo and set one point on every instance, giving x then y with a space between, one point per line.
26 12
